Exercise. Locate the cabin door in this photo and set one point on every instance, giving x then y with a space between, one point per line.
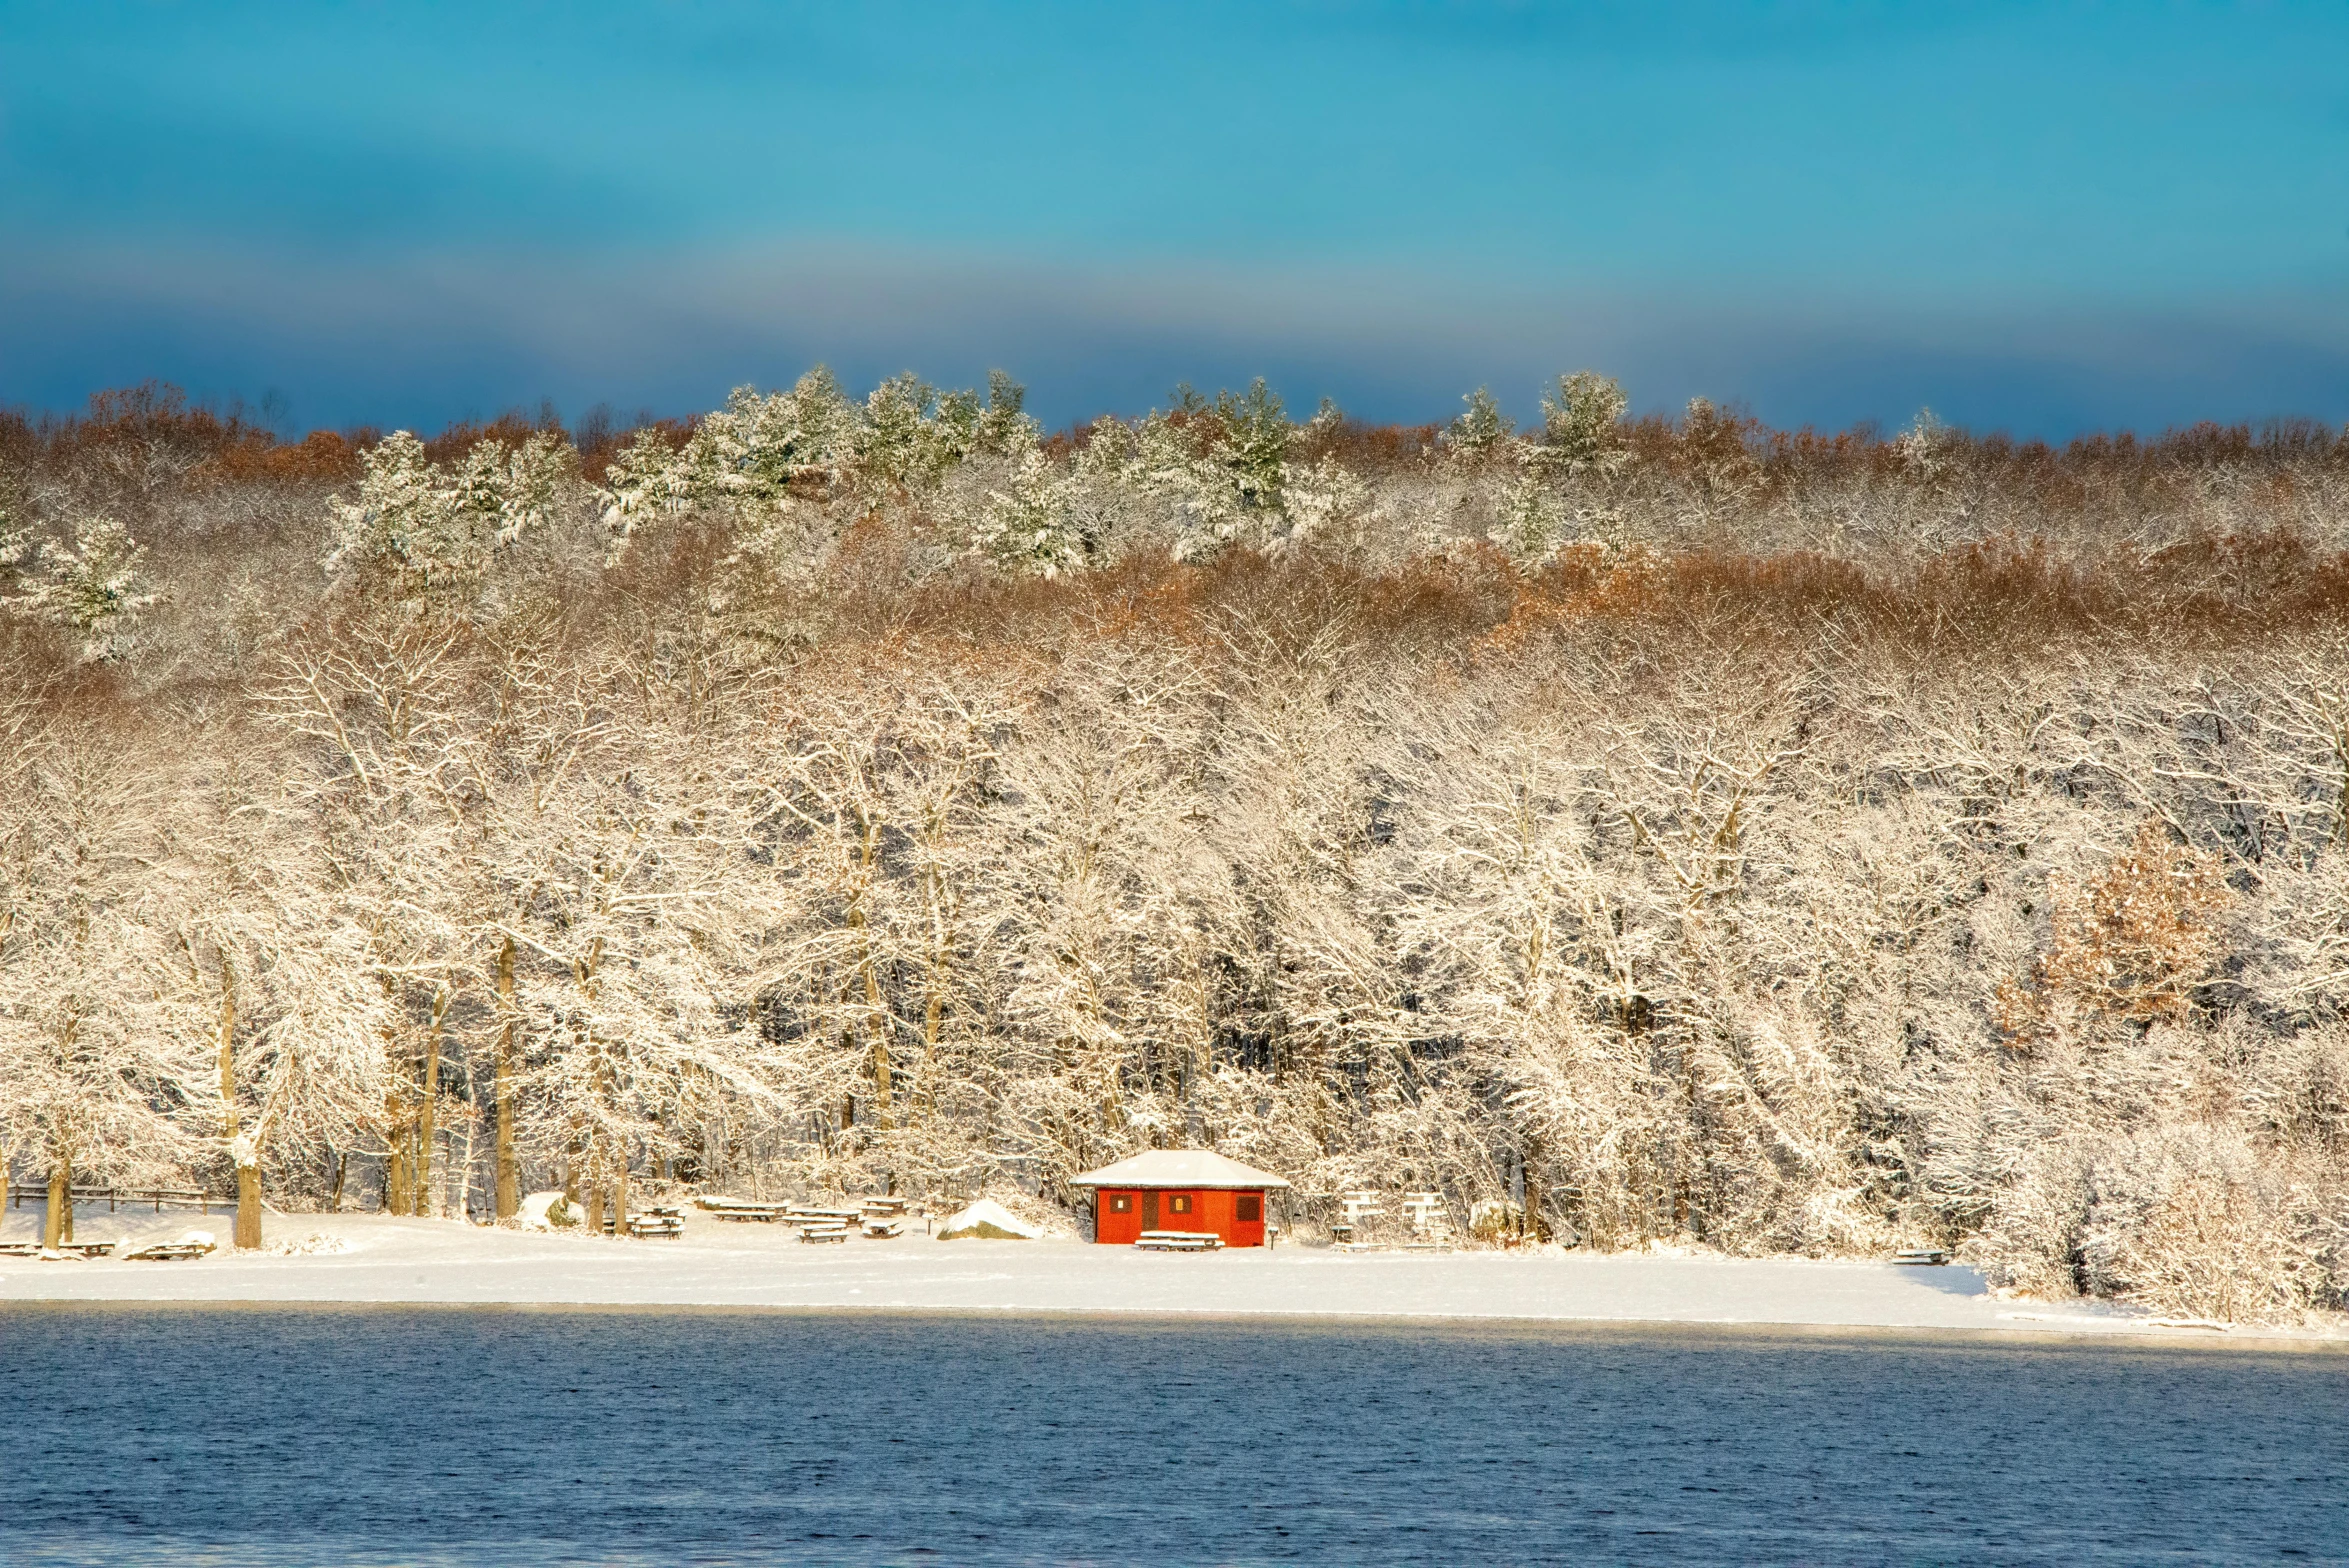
1150 1211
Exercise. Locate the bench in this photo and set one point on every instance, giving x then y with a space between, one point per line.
1179 1241
64 1249
743 1210
824 1233
168 1252
1924 1256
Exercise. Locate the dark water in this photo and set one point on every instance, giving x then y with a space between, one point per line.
135 1436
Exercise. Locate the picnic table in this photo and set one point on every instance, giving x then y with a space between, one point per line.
1921 1255
1179 1241
886 1208
64 1249
168 1252
830 1232
658 1222
882 1227
800 1215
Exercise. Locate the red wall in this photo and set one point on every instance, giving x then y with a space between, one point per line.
1211 1210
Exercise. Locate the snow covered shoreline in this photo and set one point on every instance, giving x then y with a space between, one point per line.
376 1259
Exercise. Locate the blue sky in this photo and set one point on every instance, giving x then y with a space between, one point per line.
2038 218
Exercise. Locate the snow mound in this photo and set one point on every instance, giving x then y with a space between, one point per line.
308 1246
544 1211
990 1220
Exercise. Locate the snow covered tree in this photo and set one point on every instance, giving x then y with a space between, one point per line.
377 721
15 538
86 1085
265 990
1532 523
1480 428
96 585
1038 522
436 533
1579 425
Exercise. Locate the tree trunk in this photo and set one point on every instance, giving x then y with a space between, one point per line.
395 1175
247 1158
509 1176
460 1201
1531 1163
425 1191
342 1167
595 1208
248 1232
58 1226
620 1199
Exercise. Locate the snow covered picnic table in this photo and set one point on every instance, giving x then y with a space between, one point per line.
744 1210
1179 1241
72 1249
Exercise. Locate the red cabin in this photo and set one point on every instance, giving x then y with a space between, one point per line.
1179 1189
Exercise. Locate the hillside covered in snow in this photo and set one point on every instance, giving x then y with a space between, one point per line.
1631 829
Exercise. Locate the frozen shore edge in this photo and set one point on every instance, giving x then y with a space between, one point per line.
375 1260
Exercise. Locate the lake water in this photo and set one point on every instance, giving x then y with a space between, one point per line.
428 1436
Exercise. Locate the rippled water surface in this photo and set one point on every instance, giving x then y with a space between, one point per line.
185 1436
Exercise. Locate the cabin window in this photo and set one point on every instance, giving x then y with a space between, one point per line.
1180 1203
1250 1210
1121 1203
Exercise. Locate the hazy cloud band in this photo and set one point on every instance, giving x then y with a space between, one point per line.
421 339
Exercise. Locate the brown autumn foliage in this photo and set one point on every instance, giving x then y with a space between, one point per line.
2131 946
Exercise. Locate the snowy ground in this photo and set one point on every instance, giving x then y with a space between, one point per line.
374 1258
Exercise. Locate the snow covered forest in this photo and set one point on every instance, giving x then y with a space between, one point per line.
1634 829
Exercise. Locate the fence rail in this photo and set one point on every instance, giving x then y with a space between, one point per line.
159 1198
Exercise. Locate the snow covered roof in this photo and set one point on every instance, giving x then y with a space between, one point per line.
1177 1168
